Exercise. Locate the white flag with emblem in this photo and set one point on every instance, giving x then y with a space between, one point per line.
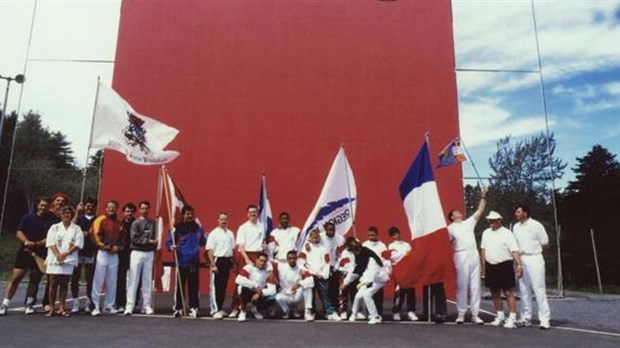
117 126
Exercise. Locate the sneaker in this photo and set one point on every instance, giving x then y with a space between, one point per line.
460 319
411 316
193 312
76 306
128 312
510 323
242 316
120 309
308 316
47 308
4 310
375 320
544 325
95 312
525 322
360 316
29 310
334 317
257 315
234 313
177 313
353 316
396 317
111 310
218 315
148 310
343 316
476 320
498 321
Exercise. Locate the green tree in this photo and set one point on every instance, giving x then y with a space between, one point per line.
591 202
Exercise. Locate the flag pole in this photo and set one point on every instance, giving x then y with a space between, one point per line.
176 258
158 232
346 169
471 160
90 140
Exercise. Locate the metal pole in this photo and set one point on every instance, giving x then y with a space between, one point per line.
90 140
346 170
560 277
430 304
471 160
598 270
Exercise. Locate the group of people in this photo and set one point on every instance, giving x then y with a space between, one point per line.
273 271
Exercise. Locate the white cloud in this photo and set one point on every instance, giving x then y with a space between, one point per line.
500 35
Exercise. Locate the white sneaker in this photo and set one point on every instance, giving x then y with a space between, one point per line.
218 315
29 310
257 315
128 312
234 313
177 313
498 321
360 316
510 323
3 310
87 309
411 316
95 312
544 325
476 320
110 310
525 322
148 310
396 317
242 316
460 319
375 320
120 309
343 316
334 317
193 312
353 316
308 316
47 308
76 306
286 314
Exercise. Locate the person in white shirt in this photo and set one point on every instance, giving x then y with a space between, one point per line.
63 241
500 254
250 244
283 238
466 260
373 243
396 251
254 284
295 286
346 264
314 258
219 249
335 244
372 277
532 239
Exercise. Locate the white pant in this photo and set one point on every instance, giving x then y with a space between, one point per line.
467 264
366 294
140 268
106 270
533 279
286 300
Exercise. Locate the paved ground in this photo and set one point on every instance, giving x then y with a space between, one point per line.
572 328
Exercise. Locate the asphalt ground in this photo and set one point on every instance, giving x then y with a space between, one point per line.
19 330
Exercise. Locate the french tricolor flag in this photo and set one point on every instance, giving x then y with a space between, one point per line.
430 260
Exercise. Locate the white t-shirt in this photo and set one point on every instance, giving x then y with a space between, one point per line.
378 247
221 241
399 249
462 234
63 238
282 240
250 236
498 245
332 244
531 236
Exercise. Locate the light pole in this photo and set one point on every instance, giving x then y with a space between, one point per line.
19 78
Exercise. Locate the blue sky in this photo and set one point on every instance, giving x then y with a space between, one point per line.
579 44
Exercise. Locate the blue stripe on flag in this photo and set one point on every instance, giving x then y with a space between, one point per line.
419 173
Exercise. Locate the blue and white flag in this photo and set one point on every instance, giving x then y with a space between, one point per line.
452 154
337 201
264 209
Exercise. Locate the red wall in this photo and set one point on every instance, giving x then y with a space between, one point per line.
278 86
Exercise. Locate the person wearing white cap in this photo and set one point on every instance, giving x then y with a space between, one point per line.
466 260
500 254
532 239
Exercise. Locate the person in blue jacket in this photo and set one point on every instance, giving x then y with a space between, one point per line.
188 238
